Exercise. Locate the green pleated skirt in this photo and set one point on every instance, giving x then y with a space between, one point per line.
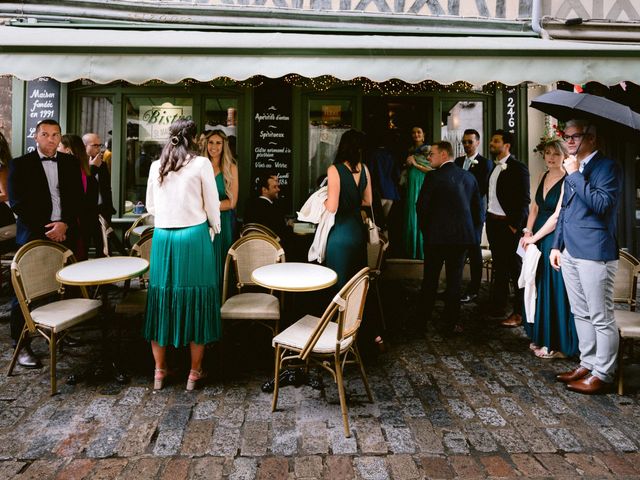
183 300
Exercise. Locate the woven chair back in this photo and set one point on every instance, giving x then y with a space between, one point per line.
35 266
142 249
258 228
253 251
626 280
355 295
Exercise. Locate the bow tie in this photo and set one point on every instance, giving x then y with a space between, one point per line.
49 159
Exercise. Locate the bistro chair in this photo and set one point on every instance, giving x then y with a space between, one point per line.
487 259
628 321
33 274
107 233
328 341
244 256
258 228
375 257
134 302
137 228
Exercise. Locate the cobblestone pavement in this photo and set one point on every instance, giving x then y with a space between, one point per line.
474 406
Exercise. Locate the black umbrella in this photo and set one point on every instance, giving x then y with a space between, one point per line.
565 105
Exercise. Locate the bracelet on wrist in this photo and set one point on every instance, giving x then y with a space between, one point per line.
526 230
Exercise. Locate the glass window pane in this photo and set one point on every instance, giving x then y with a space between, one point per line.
459 116
328 120
148 121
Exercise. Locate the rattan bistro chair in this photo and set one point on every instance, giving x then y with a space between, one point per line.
244 256
33 274
138 227
627 321
258 228
134 302
325 342
375 256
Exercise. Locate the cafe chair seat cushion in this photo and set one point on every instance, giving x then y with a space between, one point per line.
297 335
628 323
64 314
251 306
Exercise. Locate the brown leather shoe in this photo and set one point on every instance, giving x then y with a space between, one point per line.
573 375
589 385
514 320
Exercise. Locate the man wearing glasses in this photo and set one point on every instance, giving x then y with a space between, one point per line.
586 249
481 168
99 169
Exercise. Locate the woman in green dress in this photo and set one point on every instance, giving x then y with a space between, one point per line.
225 169
348 189
552 332
417 166
183 300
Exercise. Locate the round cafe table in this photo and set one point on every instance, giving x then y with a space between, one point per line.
103 271
294 277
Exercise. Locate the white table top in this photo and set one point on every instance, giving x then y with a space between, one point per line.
294 277
100 271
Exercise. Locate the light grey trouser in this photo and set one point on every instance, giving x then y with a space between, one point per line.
589 286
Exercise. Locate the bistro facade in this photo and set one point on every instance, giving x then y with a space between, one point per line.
287 78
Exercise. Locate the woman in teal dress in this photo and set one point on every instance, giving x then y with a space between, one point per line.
348 189
553 331
417 167
225 169
183 302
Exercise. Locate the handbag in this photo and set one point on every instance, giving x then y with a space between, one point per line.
373 232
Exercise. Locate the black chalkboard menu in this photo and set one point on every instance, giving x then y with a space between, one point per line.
42 102
272 137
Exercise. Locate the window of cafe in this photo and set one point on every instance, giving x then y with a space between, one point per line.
329 118
147 129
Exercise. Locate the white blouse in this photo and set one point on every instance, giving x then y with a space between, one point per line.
185 198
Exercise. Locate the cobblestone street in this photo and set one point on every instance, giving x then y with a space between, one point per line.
472 406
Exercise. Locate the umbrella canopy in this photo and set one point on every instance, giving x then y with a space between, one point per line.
565 105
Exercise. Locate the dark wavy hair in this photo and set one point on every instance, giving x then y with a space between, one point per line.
351 149
78 150
180 148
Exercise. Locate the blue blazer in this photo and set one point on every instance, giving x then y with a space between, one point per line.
481 170
588 218
448 207
30 198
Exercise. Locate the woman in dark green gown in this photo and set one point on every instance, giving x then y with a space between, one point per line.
553 331
348 190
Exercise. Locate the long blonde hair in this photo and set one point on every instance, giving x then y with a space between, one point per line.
226 159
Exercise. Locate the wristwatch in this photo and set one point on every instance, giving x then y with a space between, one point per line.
526 230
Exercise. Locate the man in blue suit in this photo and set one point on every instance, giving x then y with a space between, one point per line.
586 247
448 209
480 168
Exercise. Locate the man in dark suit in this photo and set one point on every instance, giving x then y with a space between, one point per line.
100 171
507 211
448 209
263 208
481 168
586 247
45 189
